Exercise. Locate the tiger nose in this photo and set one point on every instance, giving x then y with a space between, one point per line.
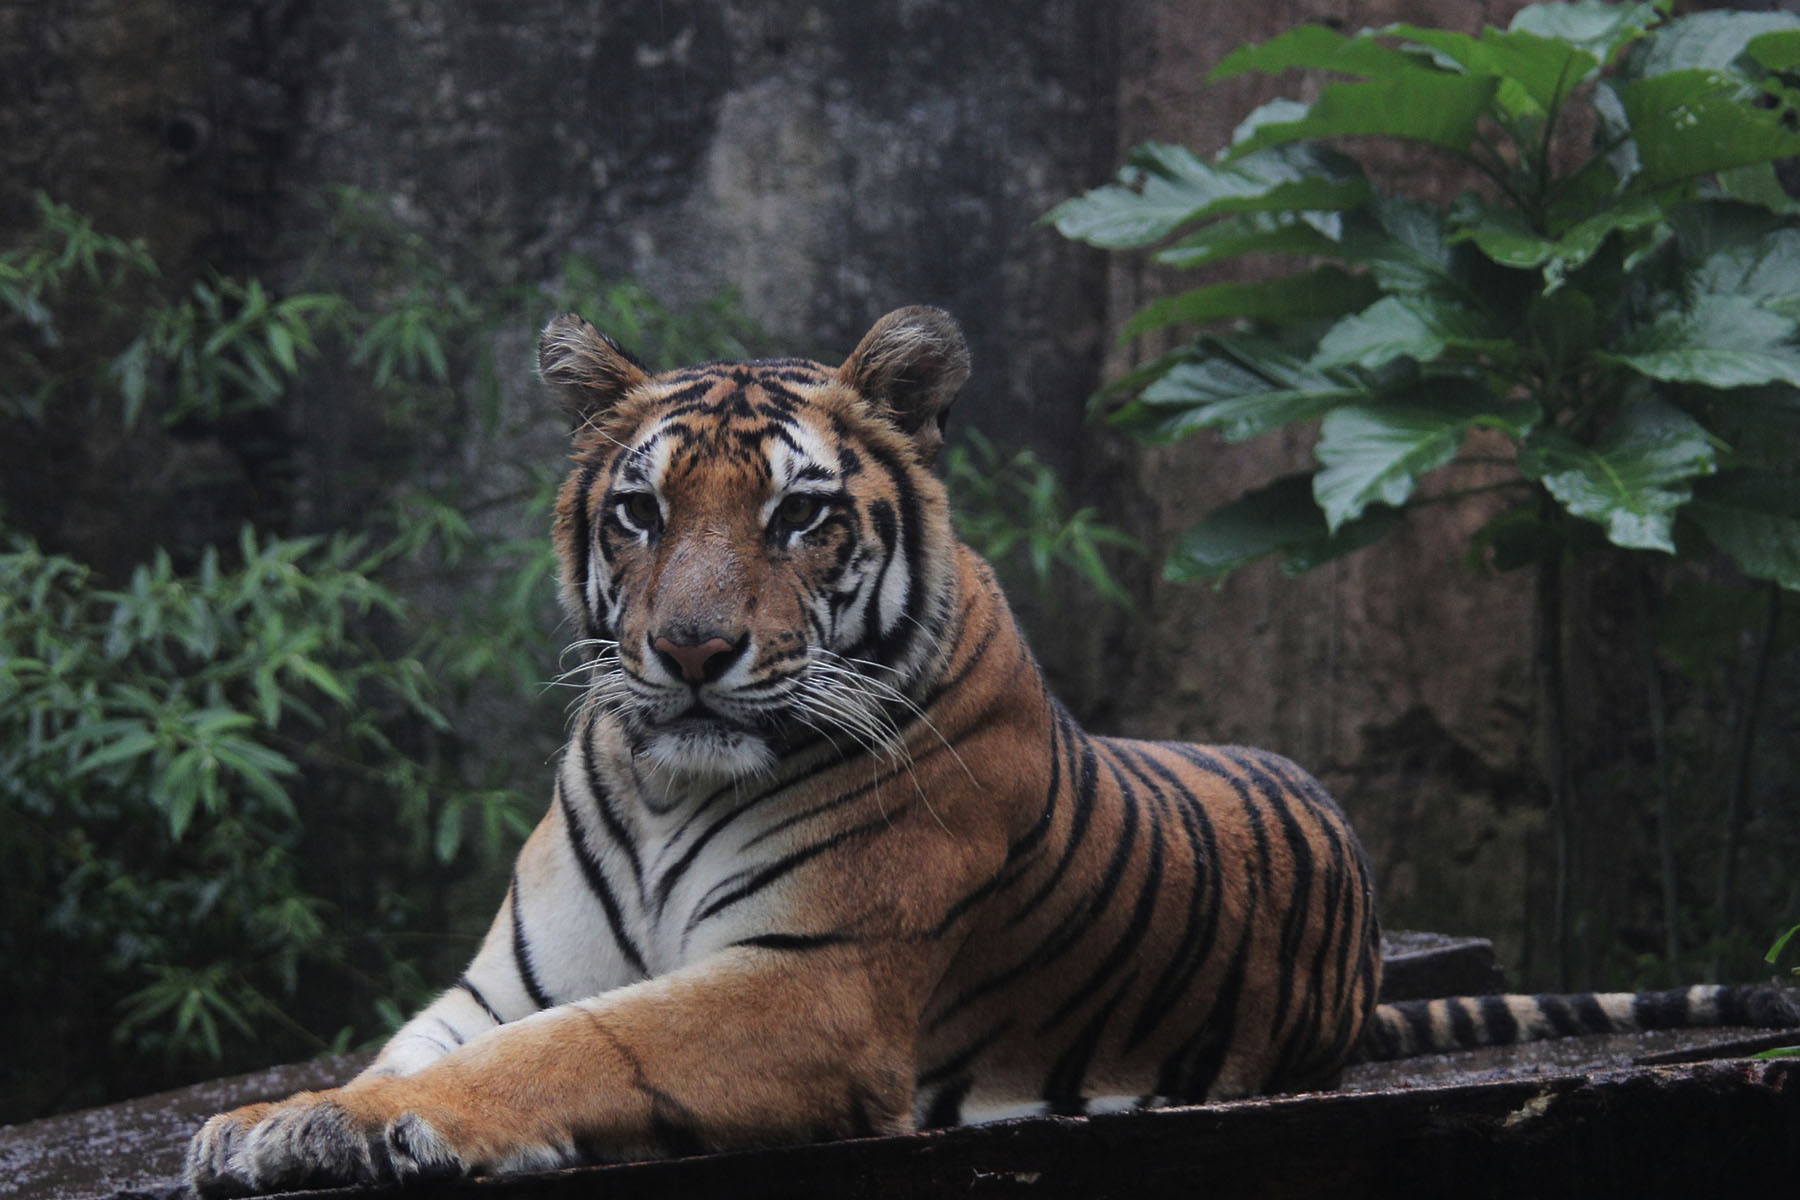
697 662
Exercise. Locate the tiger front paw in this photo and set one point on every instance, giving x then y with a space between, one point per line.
315 1139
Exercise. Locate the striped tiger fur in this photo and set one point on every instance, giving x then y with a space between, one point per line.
825 857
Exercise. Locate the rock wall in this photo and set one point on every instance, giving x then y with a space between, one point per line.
1399 675
828 162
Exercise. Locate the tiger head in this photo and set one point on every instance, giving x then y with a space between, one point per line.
756 554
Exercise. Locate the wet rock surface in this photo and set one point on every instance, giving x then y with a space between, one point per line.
1591 1116
136 1149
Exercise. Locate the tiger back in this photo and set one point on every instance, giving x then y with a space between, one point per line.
824 857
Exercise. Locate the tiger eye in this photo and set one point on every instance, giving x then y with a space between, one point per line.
642 509
798 509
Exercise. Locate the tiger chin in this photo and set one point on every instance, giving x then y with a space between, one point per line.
824 857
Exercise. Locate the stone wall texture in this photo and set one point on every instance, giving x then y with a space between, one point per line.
828 162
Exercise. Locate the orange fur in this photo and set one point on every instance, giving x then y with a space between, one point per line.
947 903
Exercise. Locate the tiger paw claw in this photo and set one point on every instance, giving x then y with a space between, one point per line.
312 1141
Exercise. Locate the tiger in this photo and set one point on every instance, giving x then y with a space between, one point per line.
824 857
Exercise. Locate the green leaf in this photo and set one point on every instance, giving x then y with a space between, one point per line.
1753 516
449 833
1419 106
131 745
321 677
1323 292
1280 518
1708 40
1765 269
1375 453
1314 47
1164 188
1244 386
1596 27
1777 51
1250 233
1694 122
1505 239
281 345
1722 341
1423 328
1634 480
1542 70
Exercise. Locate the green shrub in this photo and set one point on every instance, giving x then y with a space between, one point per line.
1605 331
236 820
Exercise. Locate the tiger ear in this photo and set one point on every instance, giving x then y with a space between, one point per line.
909 367
586 370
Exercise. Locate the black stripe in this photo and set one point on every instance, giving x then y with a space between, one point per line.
975 657
582 538
1561 1014
1068 931
1296 918
1139 925
598 883
1381 1038
1200 925
1347 909
891 647
1084 781
946 1106
450 1029
522 953
1462 1023
1502 1026
1063 1087
1661 1010
475 994
1418 1019
839 801
1192 1070
1593 1018
603 802
795 941
665 886
959 1062
1017 852
787 864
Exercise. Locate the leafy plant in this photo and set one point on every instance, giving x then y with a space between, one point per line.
1605 329
232 793
1009 508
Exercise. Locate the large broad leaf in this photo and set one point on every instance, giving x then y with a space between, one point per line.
1754 516
1405 246
1706 40
1764 270
1504 237
1420 327
1324 292
1695 122
1242 386
1278 519
1779 51
1596 27
1537 73
1165 188
1719 342
1316 48
1376 453
1418 106
1253 233
1634 480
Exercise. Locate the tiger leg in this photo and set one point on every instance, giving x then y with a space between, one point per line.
747 1048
